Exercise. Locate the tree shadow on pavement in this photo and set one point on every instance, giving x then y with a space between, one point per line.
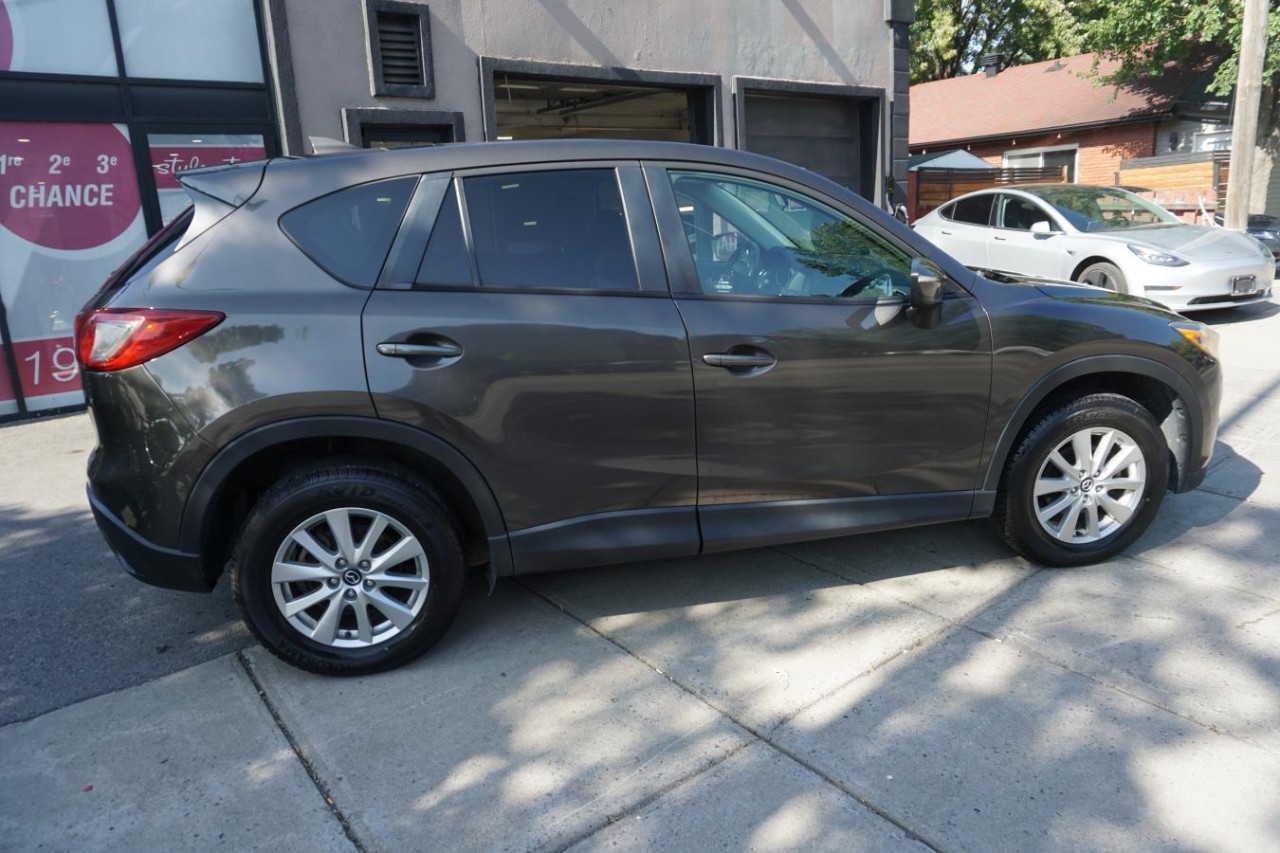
73 624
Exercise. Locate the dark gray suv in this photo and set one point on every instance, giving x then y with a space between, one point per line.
352 379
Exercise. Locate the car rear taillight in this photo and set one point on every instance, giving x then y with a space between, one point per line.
116 338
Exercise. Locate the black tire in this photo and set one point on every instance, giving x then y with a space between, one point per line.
1106 275
396 494
1015 514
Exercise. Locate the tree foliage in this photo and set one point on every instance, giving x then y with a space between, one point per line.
948 37
1146 35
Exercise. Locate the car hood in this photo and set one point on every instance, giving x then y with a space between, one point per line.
1055 288
1193 242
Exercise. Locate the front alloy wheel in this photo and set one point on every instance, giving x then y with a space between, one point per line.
1084 482
1090 485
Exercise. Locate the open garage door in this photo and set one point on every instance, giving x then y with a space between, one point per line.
549 107
834 136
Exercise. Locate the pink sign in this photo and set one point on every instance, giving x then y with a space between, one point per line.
167 161
44 367
66 186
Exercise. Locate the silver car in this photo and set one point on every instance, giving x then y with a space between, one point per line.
1103 236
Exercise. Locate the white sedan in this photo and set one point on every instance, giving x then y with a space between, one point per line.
1105 237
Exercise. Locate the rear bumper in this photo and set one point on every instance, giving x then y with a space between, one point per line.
147 562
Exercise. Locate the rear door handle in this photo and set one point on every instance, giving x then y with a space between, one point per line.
943 231
731 360
399 349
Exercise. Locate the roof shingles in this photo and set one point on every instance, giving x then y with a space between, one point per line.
1034 98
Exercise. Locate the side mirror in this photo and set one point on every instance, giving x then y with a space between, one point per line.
926 294
1043 229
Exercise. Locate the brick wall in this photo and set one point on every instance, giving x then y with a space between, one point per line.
1101 149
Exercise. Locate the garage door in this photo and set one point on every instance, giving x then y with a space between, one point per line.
822 134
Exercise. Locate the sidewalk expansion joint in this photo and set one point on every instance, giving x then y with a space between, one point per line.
307 766
763 736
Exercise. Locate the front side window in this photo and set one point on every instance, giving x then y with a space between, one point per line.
349 232
1020 213
558 230
749 238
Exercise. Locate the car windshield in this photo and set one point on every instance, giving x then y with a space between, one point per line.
1103 209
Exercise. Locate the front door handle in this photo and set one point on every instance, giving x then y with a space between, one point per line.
731 359
998 237
399 349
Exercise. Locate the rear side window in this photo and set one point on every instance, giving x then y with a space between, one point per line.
349 232
556 229
975 210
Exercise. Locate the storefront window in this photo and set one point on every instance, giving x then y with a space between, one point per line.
56 36
190 39
172 153
70 213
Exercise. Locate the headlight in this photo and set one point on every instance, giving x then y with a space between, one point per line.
1204 338
1263 249
1160 259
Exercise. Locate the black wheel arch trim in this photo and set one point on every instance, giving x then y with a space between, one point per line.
1098 364
195 522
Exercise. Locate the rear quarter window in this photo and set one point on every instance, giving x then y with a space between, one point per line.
349 232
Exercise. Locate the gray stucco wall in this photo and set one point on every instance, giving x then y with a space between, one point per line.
846 42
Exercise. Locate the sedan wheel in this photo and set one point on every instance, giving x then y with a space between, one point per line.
1105 275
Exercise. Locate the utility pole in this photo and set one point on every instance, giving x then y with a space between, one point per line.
1244 118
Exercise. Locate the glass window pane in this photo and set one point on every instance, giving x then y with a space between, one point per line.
1019 213
70 213
172 153
975 210
445 263
1060 159
56 37
559 229
349 232
749 238
190 39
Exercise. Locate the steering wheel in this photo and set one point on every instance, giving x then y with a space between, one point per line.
773 273
900 283
746 251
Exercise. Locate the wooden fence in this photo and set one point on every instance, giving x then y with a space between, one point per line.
931 188
1180 182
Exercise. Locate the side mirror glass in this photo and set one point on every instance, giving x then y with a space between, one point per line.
926 293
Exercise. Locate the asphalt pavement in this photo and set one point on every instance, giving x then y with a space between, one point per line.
905 690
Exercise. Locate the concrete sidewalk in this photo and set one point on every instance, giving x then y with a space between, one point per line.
906 690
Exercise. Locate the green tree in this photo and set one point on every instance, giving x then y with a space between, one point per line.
1145 36
948 37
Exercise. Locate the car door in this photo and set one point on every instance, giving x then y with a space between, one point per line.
963 229
824 404
1016 248
523 316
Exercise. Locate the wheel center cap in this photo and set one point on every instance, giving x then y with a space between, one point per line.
1086 484
351 577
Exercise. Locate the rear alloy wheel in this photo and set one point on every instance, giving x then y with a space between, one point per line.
1103 274
1084 483
348 569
